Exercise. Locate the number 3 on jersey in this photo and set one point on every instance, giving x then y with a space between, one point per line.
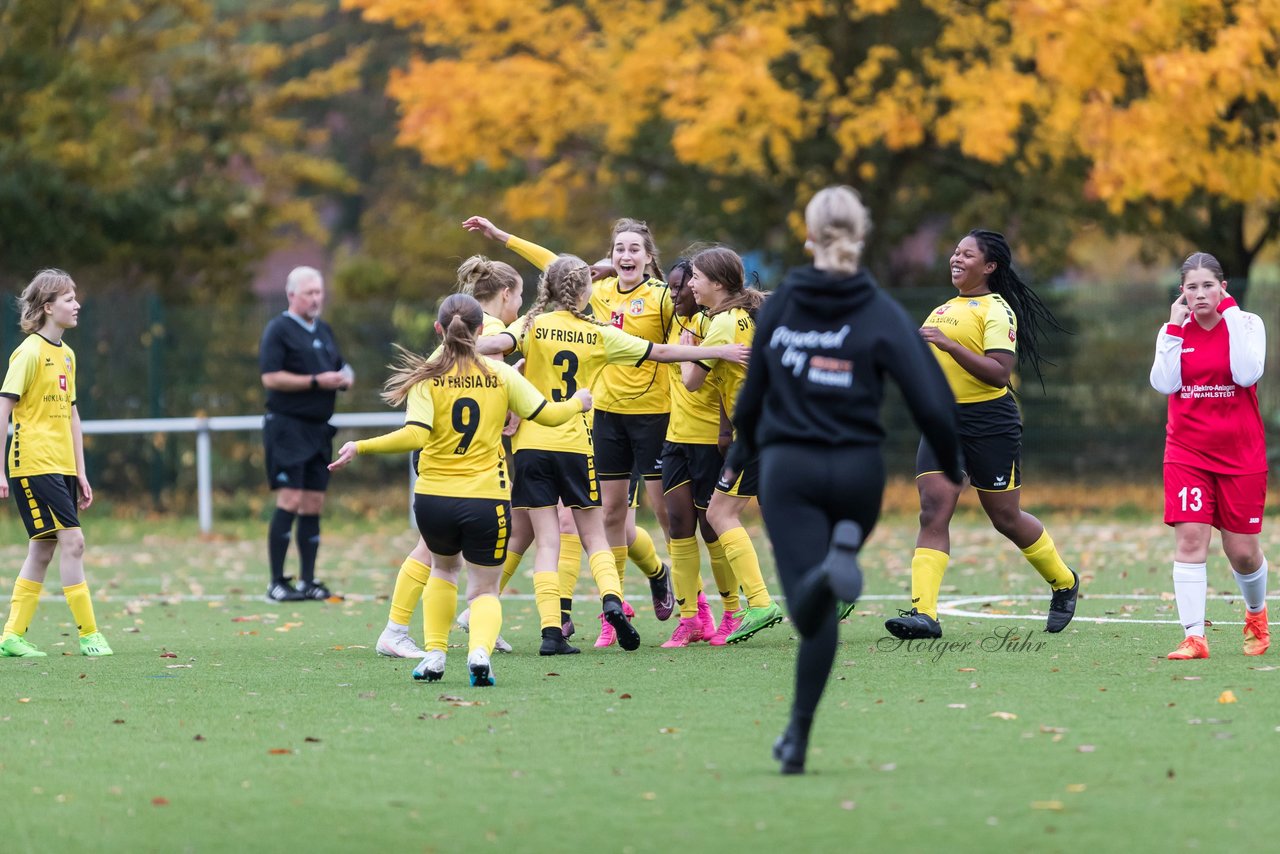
466 420
567 362
1191 499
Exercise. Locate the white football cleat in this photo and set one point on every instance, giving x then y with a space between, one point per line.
431 668
481 669
394 644
501 645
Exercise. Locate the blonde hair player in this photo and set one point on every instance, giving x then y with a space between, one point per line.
45 468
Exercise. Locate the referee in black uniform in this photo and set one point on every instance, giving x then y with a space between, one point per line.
302 371
825 343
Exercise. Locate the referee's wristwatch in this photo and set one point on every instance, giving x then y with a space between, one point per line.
315 383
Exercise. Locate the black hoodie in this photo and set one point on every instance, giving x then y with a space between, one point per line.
823 344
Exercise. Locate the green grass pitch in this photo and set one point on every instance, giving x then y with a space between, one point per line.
226 724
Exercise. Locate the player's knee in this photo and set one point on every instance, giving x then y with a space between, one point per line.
72 543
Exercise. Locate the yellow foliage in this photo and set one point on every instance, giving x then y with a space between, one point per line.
1163 98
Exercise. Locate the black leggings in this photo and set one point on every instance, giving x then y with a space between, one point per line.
804 492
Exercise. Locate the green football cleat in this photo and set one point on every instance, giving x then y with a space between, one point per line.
756 620
844 610
95 645
16 646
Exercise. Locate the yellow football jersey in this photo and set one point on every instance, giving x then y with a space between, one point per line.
466 413
562 354
646 312
734 326
42 379
982 324
695 415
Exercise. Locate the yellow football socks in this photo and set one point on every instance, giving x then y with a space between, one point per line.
486 622
726 581
686 566
439 604
22 606
620 560
411 581
643 554
742 557
81 605
604 569
927 568
546 596
570 564
509 567
1043 555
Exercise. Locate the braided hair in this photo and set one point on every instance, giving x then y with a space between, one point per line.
560 288
1031 312
461 318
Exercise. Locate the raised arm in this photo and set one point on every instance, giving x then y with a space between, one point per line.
539 256
1166 371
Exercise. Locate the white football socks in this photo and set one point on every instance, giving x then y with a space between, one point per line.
1189 583
1253 587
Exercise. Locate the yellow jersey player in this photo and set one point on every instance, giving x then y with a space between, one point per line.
975 338
691 464
719 283
630 424
45 468
499 290
565 350
457 406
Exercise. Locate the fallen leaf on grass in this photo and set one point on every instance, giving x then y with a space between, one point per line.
668 730
133 630
24 699
968 670
957 706
1055 806
118 721
650 796
173 666
311 740
247 618
553 674
609 691
1265 669
847 805
438 716
889 766
1004 716
287 627
1227 697
1086 748
198 738
279 751
1056 729
624 696
1076 788
168 655
1188 678
159 802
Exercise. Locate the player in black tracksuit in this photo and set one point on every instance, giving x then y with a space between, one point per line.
810 408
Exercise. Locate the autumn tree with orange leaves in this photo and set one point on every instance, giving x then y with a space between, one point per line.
1157 117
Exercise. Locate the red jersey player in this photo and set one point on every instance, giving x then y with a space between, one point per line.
1208 360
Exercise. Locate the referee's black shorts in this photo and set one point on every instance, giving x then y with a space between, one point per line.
298 452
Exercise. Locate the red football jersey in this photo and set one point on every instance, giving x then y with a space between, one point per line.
1214 423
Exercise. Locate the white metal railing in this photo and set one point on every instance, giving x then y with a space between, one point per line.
204 428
